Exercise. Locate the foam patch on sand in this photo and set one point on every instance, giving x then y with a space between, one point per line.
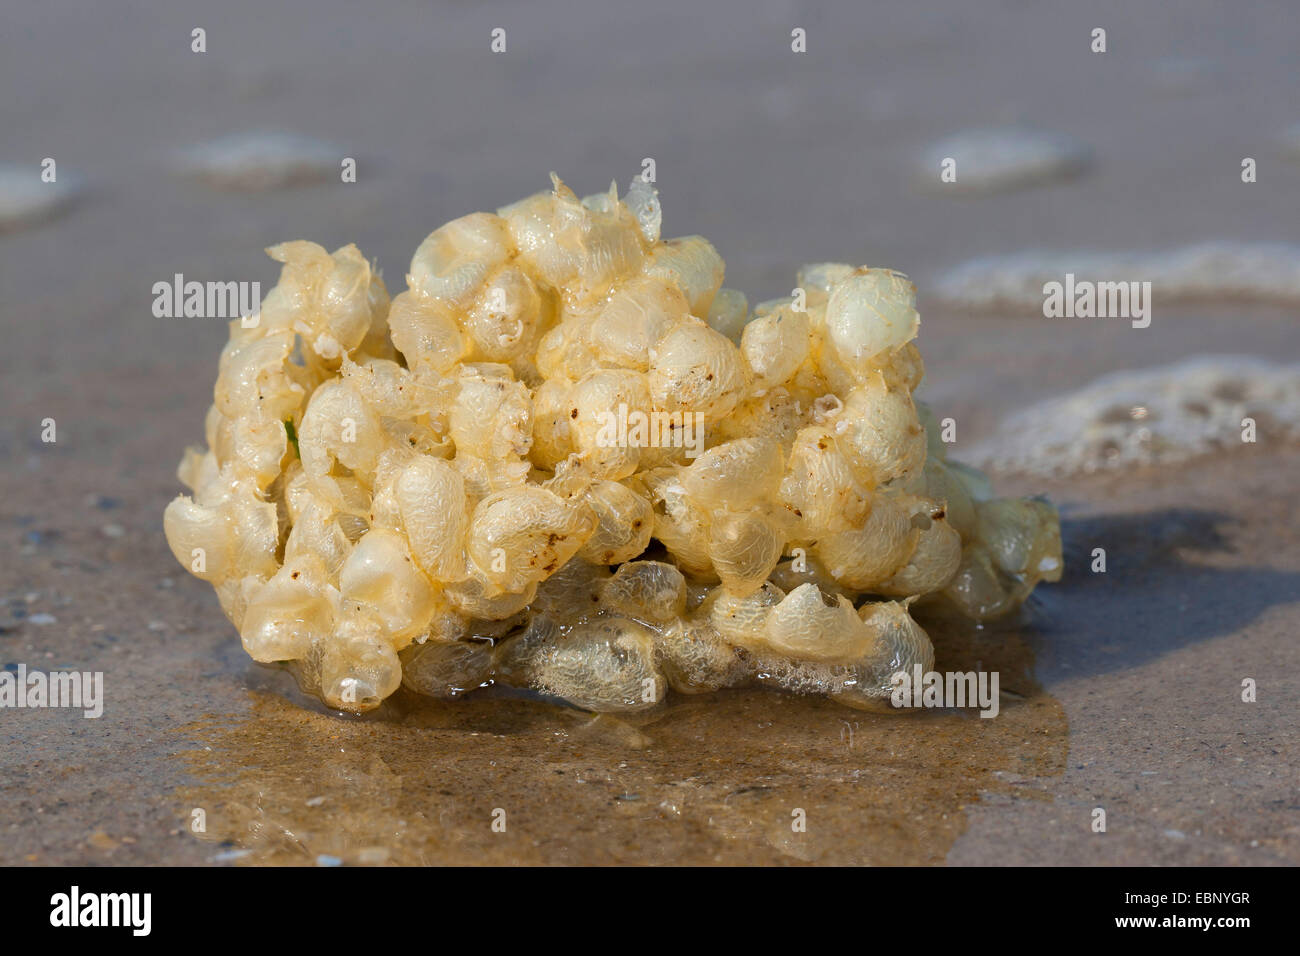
996 160
1155 416
1241 271
262 160
25 199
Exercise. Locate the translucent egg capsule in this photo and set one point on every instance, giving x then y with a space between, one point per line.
252 448
802 677
304 265
679 524
939 483
358 665
804 568
643 202
233 536
744 548
775 345
430 496
817 279
578 247
336 302
426 332
611 246
480 598
776 415
393 390
606 665
522 535
624 524
572 593
492 416
647 591
339 426
315 531
349 300
861 558
254 377
933 561
234 594
1023 538
977 483
881 433
294 609
695 369
611 423
636 317
552 423
446 670
381 573
506 318
197 469
454 261
566 351
544 246
820 487
736 474
898 644
692 265
977 589
868 312
696 660
902 368
809 625
741 619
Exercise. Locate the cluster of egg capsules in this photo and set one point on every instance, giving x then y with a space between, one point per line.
425 490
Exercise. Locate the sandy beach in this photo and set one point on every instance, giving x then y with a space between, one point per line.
1122 689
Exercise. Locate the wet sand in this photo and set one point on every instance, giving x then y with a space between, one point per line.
1123 693
1124 687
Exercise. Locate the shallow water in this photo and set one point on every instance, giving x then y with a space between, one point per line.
710 779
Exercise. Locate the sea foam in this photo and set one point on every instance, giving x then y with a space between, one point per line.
262 160
1242 271
1155 416
997 160
26 199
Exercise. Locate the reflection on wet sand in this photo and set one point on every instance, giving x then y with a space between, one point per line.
747 776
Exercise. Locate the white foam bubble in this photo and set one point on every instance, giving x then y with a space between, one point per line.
25 199
994 160
262 160
1154 416
1243 271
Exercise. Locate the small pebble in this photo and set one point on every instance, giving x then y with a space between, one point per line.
102 841
226 855
373 855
